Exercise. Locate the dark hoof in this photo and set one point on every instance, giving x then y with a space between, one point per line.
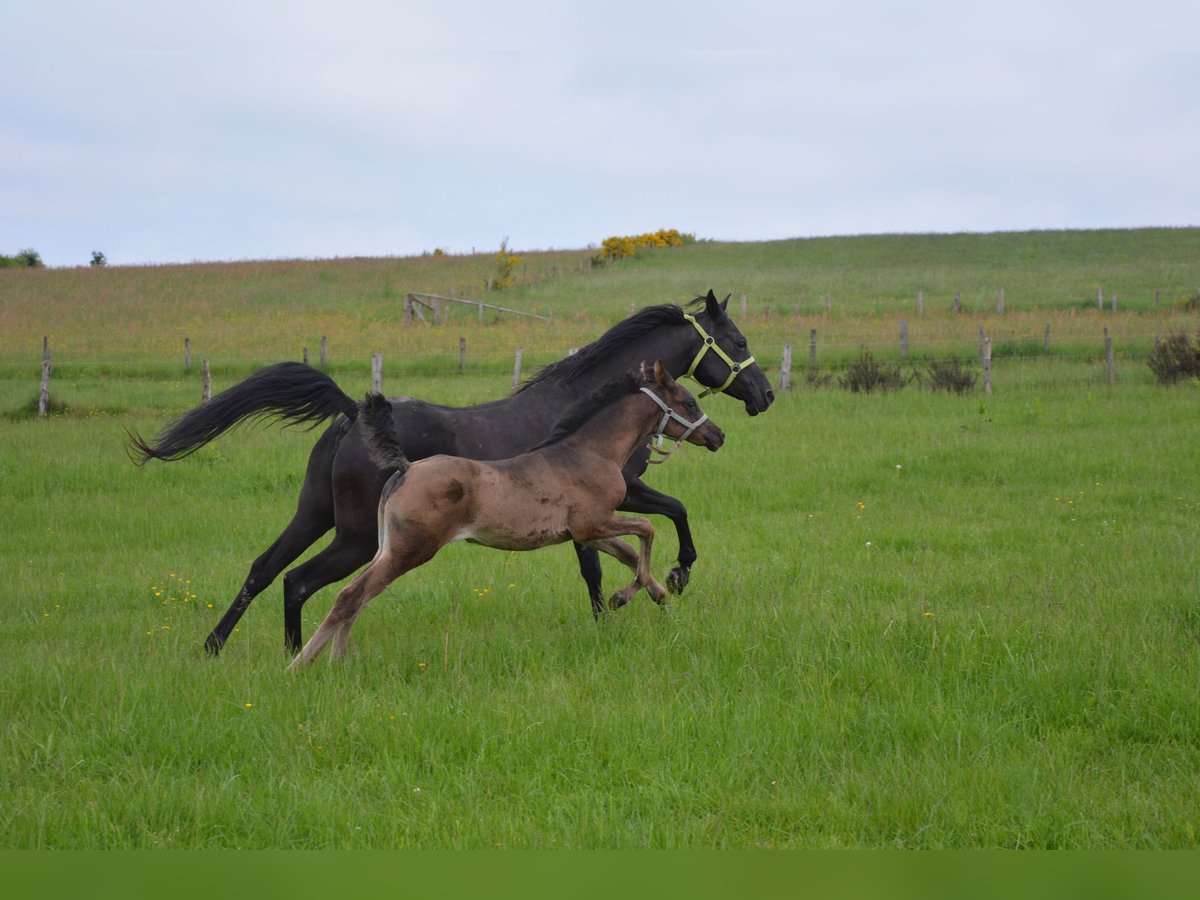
213 645
616 601
677 580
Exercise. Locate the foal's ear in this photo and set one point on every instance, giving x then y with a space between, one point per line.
662 376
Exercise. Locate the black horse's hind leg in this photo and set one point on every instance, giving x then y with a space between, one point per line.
643 499
300 534
589 568
344 555
313 517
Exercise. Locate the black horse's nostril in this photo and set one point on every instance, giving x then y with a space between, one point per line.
770 397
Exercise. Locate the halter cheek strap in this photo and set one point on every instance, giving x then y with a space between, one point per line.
709 343
669 415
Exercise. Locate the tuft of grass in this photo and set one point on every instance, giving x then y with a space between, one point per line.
867 375
1174 359
951 376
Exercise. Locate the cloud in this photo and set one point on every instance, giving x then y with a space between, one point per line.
223 130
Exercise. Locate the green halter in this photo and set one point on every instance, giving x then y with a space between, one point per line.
710 343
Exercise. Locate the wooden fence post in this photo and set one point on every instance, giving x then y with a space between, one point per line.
1000 303
377 372
1046 341
957 305
987 365
920 303
903 339
743 299
517 370
408 309
187 353
1099 298
462 355
324 352
304 356
812 348
982 339
1114 302
44 393
1108 357
206 382
785 369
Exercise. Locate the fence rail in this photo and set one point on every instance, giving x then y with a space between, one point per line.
415 302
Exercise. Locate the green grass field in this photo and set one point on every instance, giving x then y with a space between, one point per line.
917 620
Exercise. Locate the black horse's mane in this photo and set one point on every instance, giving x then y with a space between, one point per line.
583 409
640 323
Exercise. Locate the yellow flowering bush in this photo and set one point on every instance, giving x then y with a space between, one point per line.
614 248
506 262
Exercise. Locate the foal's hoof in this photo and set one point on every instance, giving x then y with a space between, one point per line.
677 579
617 600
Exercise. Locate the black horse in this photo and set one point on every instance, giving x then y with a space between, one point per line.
342 485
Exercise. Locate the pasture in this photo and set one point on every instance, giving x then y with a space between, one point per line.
917 619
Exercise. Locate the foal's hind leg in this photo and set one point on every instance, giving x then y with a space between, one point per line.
399 556
353 597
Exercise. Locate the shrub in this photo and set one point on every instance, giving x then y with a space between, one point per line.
866 375
815 378
614 248
99 259
1174 359
28 258
506 263
952 377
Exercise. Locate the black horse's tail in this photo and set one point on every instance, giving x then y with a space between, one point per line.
289 392
379 431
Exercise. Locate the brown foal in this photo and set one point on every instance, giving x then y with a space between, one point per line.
566 488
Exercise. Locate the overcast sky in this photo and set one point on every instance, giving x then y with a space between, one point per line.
163 132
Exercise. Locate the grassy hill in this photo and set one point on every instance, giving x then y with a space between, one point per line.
852 288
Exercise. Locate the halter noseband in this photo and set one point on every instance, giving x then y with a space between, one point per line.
669 415
710 343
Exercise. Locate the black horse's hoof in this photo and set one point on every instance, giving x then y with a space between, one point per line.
213 645
677 580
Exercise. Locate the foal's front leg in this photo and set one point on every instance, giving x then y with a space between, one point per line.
638 562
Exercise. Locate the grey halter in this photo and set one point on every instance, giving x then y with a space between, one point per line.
669 415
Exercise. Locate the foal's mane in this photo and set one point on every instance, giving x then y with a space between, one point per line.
640 323
583 409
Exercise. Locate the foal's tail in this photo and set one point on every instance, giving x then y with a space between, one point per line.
379 431
290 392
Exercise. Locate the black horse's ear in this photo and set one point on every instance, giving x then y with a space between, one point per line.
725 302
714 309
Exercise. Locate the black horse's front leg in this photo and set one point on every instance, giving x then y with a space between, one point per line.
643 499
589 568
